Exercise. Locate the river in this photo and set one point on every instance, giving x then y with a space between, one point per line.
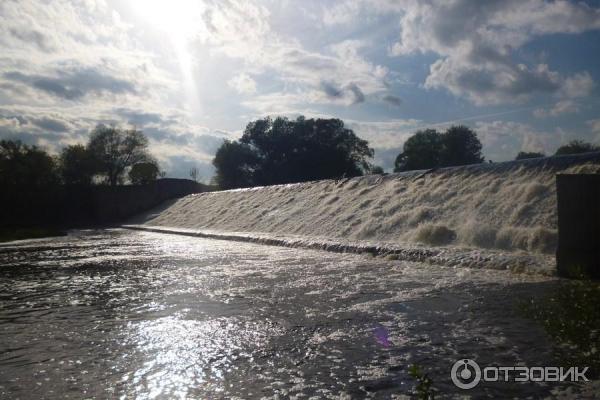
127 314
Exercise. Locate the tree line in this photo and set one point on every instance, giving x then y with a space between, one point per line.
110 156
270 151
280 150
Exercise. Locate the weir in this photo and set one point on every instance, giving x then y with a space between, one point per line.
500 207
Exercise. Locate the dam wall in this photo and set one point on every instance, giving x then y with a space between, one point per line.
509 206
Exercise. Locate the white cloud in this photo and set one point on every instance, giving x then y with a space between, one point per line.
243 84
594 125
559 108
242 30
67 65
503 140
476 42
578 85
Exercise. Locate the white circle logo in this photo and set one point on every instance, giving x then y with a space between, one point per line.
465 374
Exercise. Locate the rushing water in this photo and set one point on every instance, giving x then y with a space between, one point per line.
507 206
127 314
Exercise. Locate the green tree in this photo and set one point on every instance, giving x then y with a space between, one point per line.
273 151
77 165
236 164
423 150
428 148
25 165
117 149
144 173
524 155
460 147
576 147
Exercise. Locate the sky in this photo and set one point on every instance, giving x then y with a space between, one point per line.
523 73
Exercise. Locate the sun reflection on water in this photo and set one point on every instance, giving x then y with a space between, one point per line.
183 357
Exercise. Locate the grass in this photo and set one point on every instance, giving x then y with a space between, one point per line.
424 387
7 234
570 314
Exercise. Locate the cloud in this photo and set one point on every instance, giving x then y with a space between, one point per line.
502 140
594 125
331 90
171 138
349 94
138 117
28 36
242 31
72 85
386 157
48 130
392 100
476 42
51 124
578 85
492 85
67 65
359 96
243 84
561 107
385 134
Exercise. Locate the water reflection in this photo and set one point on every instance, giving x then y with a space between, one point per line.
182 356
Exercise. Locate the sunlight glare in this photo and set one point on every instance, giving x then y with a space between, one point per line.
177 18
180 20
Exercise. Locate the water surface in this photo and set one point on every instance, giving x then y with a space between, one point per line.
143 315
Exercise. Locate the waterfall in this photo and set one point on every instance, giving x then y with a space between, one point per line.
509 206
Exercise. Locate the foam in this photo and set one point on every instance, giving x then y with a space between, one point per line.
509 206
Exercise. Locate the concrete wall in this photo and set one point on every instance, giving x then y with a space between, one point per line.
113 204
85 206
578 253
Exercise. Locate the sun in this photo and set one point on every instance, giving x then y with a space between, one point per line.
176 18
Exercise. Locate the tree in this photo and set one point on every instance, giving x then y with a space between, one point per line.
117 149
25 165
576 147
273 151
423 150
428 148
236 164
524 155
144 173
460 147
77 165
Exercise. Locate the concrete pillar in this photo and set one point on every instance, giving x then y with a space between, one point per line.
578 253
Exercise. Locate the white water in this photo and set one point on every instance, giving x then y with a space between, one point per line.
508 206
